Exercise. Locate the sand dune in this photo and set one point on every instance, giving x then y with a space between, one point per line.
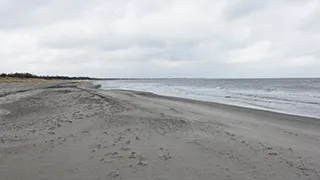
61 131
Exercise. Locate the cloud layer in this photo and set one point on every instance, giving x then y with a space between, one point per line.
167 38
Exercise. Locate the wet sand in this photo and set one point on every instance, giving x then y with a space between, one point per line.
58 130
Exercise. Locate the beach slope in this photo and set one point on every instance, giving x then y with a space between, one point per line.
73 131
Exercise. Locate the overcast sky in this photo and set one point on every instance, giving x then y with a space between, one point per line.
161 38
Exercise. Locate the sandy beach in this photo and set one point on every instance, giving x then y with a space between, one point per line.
64 131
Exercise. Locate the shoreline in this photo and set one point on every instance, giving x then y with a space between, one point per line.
224 105
76 131
282 96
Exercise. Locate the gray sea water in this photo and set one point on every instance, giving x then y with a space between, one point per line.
291 96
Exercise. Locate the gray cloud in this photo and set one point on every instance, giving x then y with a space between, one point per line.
16 14
311 22
169 38
240 8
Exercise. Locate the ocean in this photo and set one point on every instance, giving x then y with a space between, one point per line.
290 96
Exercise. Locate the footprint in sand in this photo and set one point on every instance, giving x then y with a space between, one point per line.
114 174
133 155
125 148
165 156
51 133
141 162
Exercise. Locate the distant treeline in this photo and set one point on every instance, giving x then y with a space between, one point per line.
28 75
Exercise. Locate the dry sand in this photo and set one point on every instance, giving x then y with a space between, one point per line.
59 131
21 80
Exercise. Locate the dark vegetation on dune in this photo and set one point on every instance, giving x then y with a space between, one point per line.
28 76
32 76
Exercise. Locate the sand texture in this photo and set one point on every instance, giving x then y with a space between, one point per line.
66 131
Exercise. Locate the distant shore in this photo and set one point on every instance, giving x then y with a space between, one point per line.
71 130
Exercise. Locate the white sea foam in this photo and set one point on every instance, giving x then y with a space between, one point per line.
292 96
